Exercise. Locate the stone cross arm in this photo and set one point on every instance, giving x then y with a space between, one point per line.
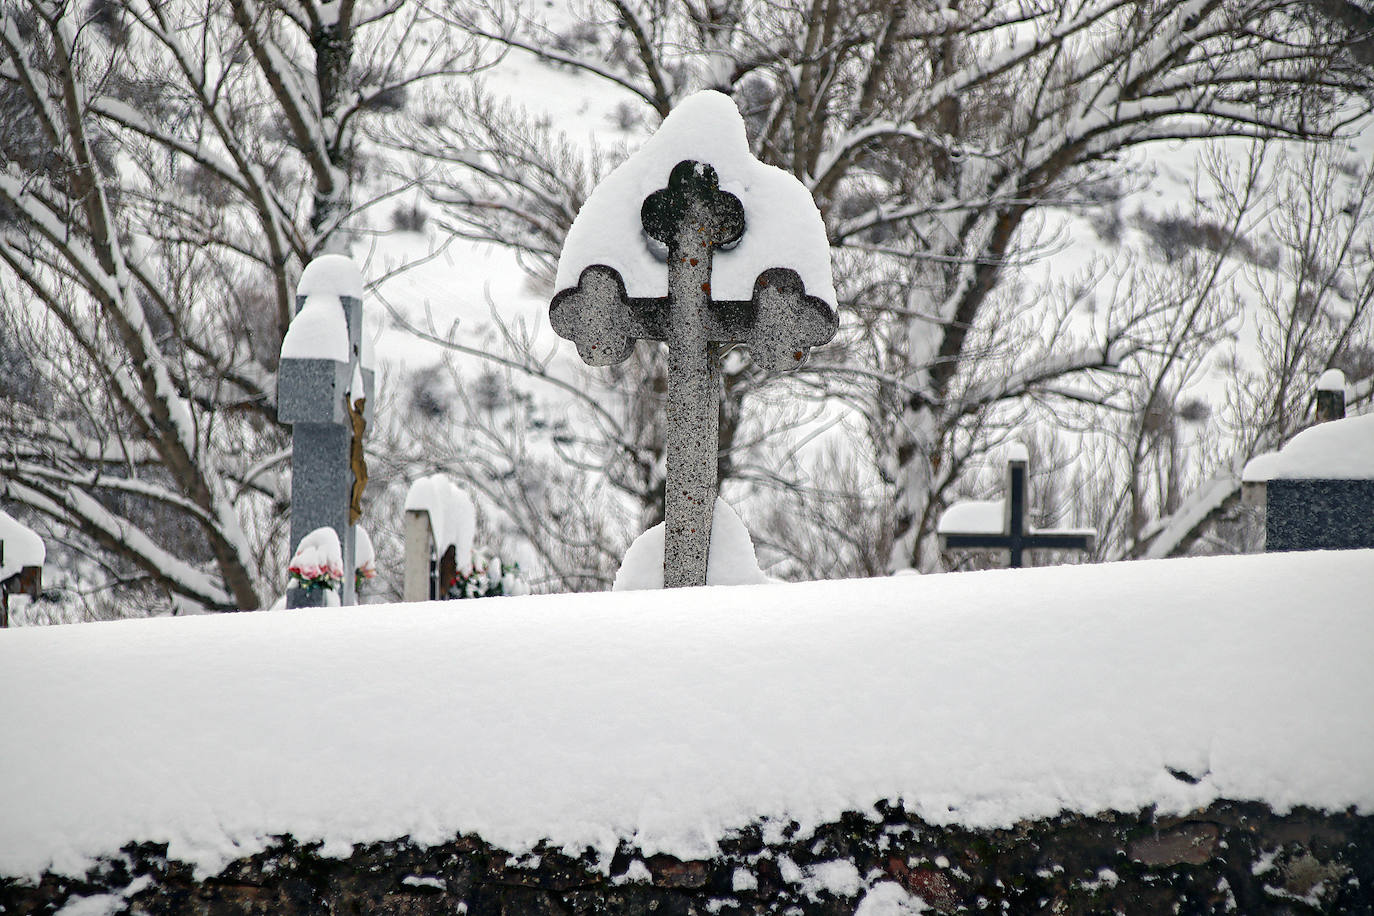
780 322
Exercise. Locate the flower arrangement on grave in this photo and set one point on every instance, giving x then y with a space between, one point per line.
318 562
308 575
487 576
364 559
362 574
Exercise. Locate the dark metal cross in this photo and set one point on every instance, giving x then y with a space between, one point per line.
693 218
1016 535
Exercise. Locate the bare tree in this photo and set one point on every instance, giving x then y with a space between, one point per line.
166 170
1300 233
933 137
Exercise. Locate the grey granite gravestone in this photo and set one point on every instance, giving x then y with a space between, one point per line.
1318 490
328 420
692 218
1016 536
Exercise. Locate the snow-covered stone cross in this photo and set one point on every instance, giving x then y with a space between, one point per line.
1004 524
324 390
746 262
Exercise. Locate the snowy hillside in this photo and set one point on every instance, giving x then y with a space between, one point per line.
671 718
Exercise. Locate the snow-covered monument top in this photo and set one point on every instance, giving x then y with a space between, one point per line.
694 242
705 127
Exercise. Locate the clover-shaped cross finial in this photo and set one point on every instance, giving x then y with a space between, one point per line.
787 322
693 201
595 315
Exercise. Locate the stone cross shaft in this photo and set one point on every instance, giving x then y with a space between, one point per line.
693 219
1017 536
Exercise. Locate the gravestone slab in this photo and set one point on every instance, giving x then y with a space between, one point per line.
1318 490
1319 514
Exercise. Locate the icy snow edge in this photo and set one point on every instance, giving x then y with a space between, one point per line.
671 718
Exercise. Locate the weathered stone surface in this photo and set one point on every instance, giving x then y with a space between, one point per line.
1191 843
1227 858
1319 514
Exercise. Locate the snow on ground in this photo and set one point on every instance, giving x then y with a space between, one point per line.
668 718
1337 450
731 560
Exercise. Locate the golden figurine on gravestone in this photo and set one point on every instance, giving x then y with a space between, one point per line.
356 460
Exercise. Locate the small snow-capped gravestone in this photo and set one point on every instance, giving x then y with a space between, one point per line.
440 523
1004 524
747 261
21 563
1318 490
324 390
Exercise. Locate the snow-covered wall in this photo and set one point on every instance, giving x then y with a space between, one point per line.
670 719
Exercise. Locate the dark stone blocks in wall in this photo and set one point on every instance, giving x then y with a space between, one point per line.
1227 858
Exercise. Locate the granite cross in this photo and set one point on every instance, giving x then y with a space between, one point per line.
693 218
1016 535
327 402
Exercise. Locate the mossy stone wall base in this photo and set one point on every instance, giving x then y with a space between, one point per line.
1228 858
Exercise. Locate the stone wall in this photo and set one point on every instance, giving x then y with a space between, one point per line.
1228 858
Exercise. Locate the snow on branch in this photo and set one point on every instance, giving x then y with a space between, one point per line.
1024 381
1172 536
123 538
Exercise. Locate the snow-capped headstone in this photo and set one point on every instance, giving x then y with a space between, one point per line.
1317 491
21 563
324 390
747 262
440 523
969 526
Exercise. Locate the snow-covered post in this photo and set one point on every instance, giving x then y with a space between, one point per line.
21 563
324 390
440 523
1331 396
715 295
